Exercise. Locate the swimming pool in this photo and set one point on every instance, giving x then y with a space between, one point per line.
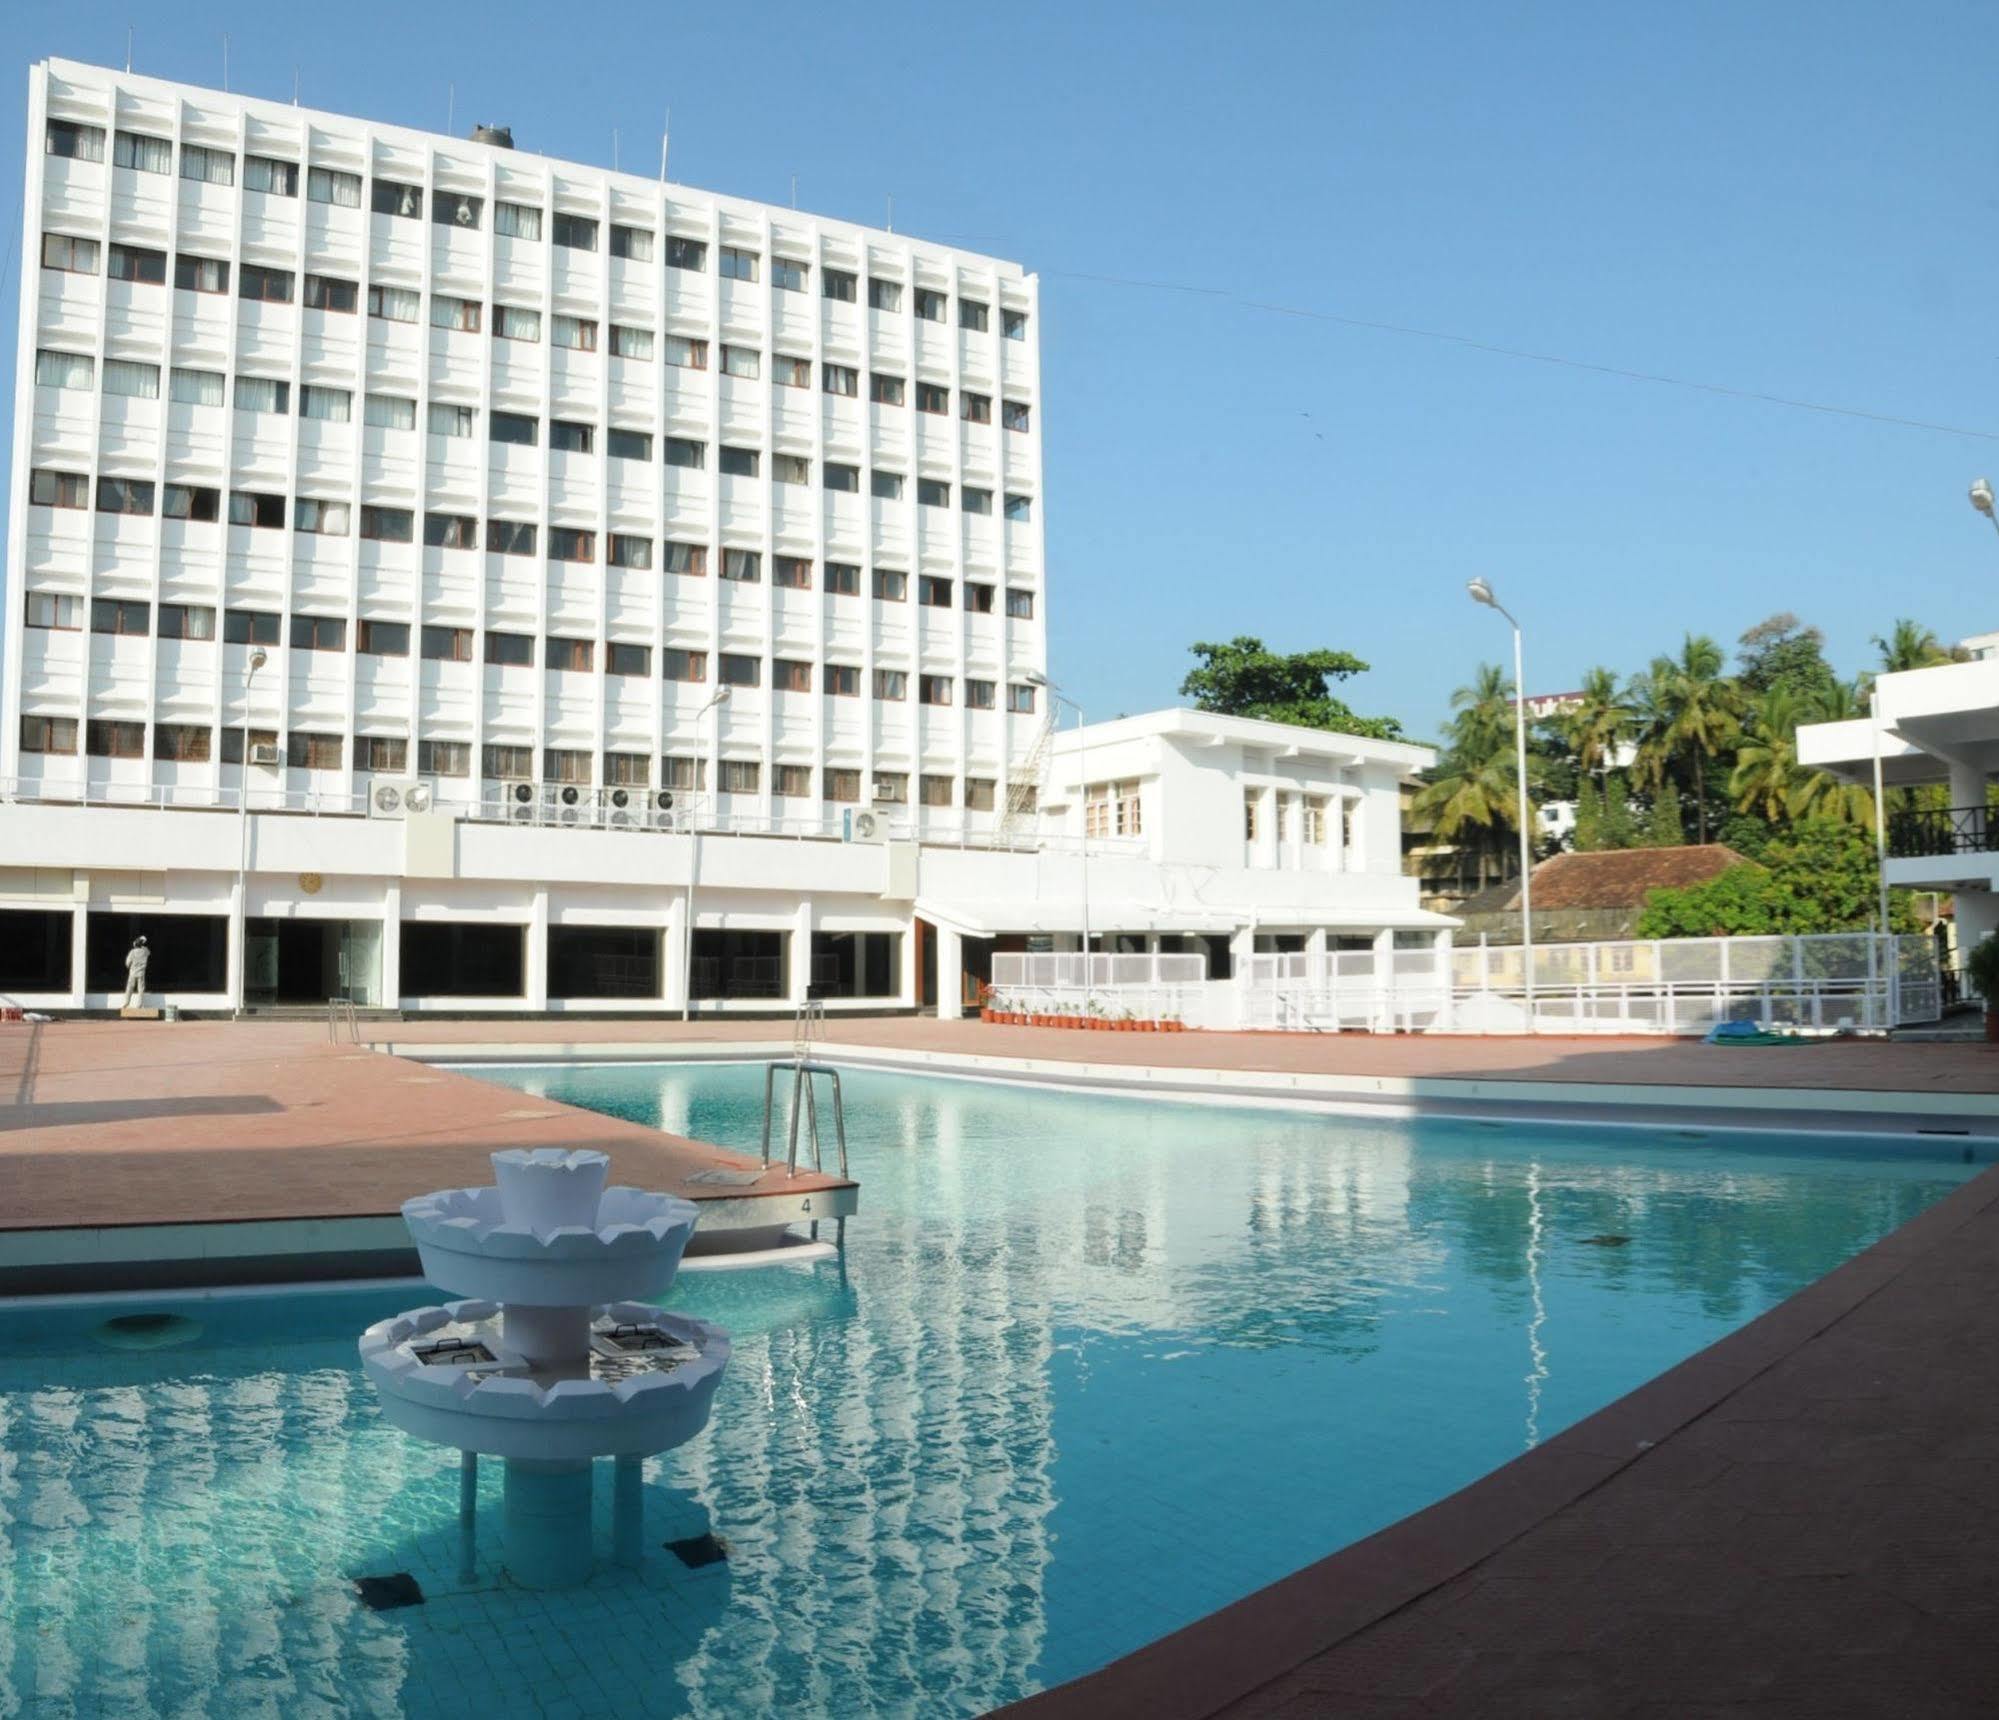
1090 1368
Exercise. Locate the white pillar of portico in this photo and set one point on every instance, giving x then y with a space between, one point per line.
391 988
1384 975
799 975
79 931
1315 956
950 975
909 980
1447 1008
1967 795
535 985
676 955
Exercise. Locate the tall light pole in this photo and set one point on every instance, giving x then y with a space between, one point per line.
1981 499
257 661
1035 678
1481 592
720 697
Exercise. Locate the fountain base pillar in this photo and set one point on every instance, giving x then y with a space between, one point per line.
548 1523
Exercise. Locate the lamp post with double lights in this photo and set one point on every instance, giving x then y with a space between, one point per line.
1481 592
719 697
257 660
1035 678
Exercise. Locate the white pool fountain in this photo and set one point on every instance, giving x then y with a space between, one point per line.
553 1360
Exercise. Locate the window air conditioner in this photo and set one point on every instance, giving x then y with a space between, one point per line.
264 752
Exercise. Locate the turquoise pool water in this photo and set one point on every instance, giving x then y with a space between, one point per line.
1090 1368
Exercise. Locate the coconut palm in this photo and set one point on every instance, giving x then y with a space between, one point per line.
1838 702
1766 765
1909 646
1598 725
1472 801
1485 710
1688 711
1821 795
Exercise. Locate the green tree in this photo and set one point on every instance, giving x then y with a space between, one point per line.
1688 711
1783 652
1620 828
1472 796
1909 646
1821 878
1589 816
1663 826
1600 723
1245 679
1766 774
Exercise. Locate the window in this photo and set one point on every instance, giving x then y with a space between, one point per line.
271 286
570 656
48 734
788 275
975 408
56 610
510 537
979 695
892 787
330 185
511 650
76 256
448 420
1315 828
511 322
741 361
382 638
250 627
447 645
384 753
451 313
688 354
388 525
885 390
884 295
63 369
1019 604
742 565
249 508
935 790
1250 797
634 244
683 773
399 304
578 232
678 665
972 316
687 254
147 154
843 681
841 379
388 412
687 558
978 794
319 633
516 220
134 263
623 659
690 456
890 585
843 579
456 209
739 462
930 306
978 598
444 758
321 519
793 572
790 675
506 762
124 495
933 593
579 334
840 785
933 689
625 549
192 502
740 775
1020 699
629 444
388 197
332 405
737 670
975 500
624 769
49 489
210 166
789 372
114 740
313 752
512 427
931 398
630 342
566 543
1019 508
792 781
68 141
267 174
568 437
138 381
450 531
891 684
790 469
1013 324
262 394
933 492
840 284
330 293
195 387
738 265
1014 414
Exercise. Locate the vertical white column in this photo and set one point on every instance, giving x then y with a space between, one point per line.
391 986
536 984
907 993
79 932
800 974
1446 989
950 975
675 964
1384 976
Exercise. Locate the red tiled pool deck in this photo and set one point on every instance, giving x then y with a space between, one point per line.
1802 1520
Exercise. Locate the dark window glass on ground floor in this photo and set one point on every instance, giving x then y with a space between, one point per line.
35 950
462 958
189 952
739 964
856 964
603 961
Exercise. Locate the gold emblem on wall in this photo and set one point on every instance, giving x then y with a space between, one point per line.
310 882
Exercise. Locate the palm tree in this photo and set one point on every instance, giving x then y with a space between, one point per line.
1687 712
1472 801
1909 646
1485 709
1821 795
1839 702
1599 725
1766 767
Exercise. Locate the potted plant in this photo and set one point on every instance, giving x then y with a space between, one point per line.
1981 967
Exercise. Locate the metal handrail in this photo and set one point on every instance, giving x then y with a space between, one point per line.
1933 831
804 1101
342 1020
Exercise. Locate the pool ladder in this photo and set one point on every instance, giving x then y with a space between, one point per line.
804 1100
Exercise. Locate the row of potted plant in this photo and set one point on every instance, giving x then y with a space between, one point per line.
1089 1018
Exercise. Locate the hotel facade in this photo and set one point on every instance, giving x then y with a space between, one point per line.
450 578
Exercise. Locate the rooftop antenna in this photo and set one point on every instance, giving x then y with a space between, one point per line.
128 50
614 149
225 62
891 212
294 86
450 110
794 191
665 133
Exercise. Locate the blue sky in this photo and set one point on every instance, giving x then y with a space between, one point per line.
1785 199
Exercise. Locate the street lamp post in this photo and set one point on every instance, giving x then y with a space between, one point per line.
256 662
1982 500
721 697
1481 592
1036 679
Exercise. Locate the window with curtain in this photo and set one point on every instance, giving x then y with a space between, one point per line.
196 387
517 220
334 405
262 394
63 369
389 412
396 304
323 519
330 185
632 243
146 154
511 322
211 166
627 342
138 381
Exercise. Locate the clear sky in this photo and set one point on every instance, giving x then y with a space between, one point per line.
1786 199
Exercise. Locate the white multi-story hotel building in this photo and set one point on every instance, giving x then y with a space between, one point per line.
599 591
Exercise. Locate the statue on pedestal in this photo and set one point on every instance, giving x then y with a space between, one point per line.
135 973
